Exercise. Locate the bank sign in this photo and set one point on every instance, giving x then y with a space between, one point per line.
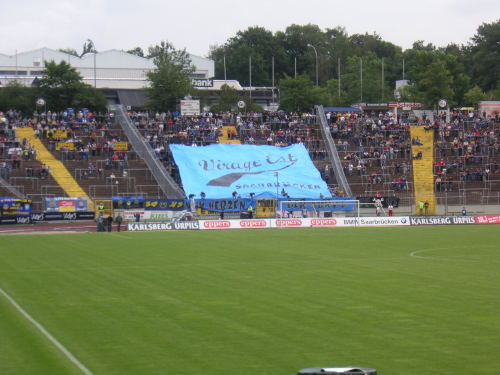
220 170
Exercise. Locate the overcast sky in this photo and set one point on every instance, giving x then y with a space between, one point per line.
198 24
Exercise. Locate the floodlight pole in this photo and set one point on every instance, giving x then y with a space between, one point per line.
316 54
225 76
95 70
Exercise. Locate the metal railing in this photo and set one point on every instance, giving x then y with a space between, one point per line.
332 151
168 186
11 189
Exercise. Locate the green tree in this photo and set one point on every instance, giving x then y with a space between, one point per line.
436 83
435 74
331 95
136 51
14 95
485 56
227 98
256 43
61 86
297 94
295 40
474 96
370 89
88 47
170 80
89 97
69 51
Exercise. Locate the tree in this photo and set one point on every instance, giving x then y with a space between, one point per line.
89 97
485 56
435 74
17 96
297 94
371 88
88 47
474 96
436 83
61 86
295 40
136 51
170 80
69 51
332 97
227 98
256 43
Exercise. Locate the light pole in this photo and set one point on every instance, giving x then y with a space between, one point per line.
316 53
95 70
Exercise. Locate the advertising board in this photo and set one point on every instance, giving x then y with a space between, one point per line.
442 220
178 225
487 219
157 216
190 107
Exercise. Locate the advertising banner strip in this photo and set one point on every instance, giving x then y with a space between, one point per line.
305 222
442 220
46 216
60 216
223 169
320 206
178 225
487 219
165 205
125 203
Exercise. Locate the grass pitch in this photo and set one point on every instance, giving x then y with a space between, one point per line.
407 301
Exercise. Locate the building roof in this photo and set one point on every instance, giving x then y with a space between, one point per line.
342 109
110 59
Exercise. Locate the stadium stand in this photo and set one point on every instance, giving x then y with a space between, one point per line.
57 169
458 164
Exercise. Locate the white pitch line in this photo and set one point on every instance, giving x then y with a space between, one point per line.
51 338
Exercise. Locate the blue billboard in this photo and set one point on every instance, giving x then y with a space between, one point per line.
219 171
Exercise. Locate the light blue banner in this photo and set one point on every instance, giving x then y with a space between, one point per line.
220 170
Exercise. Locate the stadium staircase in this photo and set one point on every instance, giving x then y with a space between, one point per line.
423 175
57 169
7 190
166 183
332 152
224 138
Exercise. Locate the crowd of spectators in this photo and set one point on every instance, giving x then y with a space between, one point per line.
375 149
71 136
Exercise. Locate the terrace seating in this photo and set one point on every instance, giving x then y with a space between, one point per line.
58 171
376 153
466 168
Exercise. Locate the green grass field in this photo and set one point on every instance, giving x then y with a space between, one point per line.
412 301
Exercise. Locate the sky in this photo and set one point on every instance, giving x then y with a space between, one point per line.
198 24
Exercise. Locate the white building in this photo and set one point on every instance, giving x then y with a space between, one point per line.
111 70
121 76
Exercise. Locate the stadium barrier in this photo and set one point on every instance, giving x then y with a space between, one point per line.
442 220
315 222
271 223
47 216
